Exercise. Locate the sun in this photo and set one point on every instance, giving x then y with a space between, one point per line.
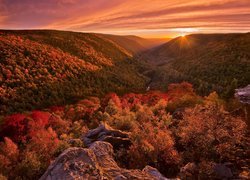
183 32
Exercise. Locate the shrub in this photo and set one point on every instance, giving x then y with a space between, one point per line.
15 127
41 118
44 143
153 145
9 154
210 133
30 166
111 108
181 95
78 129
111 96
130 100
124 120
59 125
153 97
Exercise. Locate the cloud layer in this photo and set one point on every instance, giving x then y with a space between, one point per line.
156 18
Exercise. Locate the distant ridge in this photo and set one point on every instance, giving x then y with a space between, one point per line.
135 44
212 62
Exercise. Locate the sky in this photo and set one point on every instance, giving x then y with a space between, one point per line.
145 18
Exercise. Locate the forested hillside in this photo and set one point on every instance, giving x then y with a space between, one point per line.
135 44
199 141
211 62
56 93
42 68
39 68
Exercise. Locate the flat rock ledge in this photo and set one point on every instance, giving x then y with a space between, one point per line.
95 162
106 133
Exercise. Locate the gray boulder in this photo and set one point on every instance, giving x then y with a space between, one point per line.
243 94
222 171
95 162
105 133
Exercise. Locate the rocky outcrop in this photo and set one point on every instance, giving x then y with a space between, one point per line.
189 171
243 94
217 171
105 133
95 162
221 171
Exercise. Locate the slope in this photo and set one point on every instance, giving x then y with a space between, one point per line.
135 44
44 68
219 62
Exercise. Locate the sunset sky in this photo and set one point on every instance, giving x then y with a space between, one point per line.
146 18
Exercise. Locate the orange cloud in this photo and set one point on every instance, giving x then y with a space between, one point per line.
140 17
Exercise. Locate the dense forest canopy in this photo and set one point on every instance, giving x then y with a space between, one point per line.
41 68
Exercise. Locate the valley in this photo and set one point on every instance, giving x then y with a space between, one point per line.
211 62
101 106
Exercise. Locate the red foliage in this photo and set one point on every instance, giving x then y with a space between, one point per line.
58 124
15 127
176 91
84 109
56 108
44 143
130 100
19 126
153 97
40 118
150 98
39 121
113 97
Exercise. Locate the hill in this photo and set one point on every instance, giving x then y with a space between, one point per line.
42 67
135 44
219 62
199 141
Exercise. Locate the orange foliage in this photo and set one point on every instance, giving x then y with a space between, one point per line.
176 91
206 133
9 153
210 133
113 97
44 143
153 144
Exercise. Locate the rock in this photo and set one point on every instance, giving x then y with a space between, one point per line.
243 94
95 162
228 164
222 172
74 163
189 170
105 133
154 172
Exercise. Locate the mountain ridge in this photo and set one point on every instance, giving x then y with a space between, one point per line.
212 62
